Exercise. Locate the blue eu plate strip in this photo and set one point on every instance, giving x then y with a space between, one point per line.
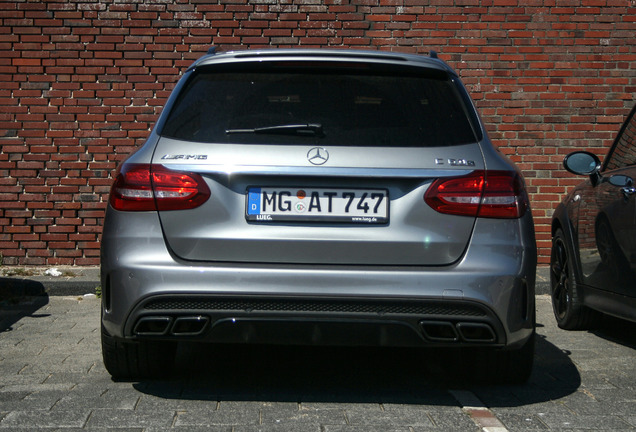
254 201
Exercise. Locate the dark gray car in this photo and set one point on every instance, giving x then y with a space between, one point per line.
323 197
593 264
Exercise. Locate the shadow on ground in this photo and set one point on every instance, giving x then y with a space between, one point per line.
617 330
19 298
353 375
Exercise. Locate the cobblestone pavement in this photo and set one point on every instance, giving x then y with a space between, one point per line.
52 377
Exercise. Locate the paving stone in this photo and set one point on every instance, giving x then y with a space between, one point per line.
213 417
306 417
615 395
320 406
365 428
174 403
588 422
193 429
294 427
9 396
39 400
414 416
449 420
83 397
515 422
108 417
44 419
117 429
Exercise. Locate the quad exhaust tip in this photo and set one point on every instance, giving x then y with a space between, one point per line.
442 331
476 332
163 325
446 331
189 326
152 326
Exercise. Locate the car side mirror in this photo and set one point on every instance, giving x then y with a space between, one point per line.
584 163
621 180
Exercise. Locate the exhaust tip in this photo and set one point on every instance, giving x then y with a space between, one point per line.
152 326
442 331
476 332
189 326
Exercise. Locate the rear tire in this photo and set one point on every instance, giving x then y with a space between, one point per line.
126 360
569 311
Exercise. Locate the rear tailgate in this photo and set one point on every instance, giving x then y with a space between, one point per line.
303 218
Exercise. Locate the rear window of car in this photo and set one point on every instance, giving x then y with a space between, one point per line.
343 108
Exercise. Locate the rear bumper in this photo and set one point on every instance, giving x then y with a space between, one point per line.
487 298
314 321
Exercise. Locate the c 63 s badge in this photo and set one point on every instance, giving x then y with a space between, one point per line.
455 162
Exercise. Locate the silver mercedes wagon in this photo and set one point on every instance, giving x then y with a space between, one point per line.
318 197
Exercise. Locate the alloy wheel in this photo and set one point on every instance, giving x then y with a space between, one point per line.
560 279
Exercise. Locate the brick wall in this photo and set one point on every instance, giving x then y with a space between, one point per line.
81 83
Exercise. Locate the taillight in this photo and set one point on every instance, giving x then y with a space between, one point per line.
145 187
492 194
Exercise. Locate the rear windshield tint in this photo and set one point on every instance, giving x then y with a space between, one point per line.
342 109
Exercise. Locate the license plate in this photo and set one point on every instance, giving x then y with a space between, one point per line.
364 206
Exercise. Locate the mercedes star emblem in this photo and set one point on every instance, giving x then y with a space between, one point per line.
318 155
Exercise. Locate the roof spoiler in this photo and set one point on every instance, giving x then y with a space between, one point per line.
213 50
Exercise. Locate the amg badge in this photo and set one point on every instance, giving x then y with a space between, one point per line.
185 156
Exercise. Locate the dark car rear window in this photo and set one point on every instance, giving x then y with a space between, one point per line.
351 109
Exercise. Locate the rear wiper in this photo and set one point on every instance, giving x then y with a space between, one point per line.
311 129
